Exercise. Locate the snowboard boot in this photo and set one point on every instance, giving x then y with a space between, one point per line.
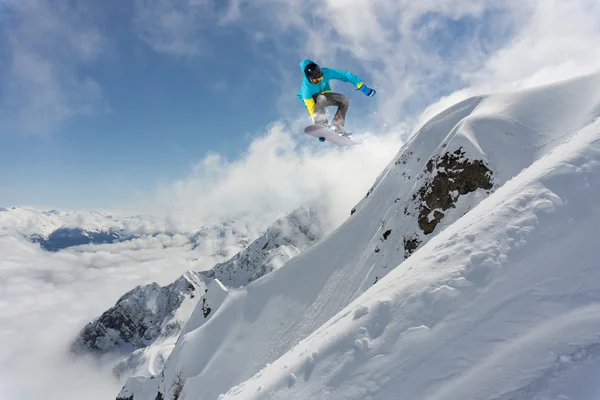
339 130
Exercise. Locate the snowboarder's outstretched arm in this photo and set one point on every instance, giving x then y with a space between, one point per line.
345 76
341 75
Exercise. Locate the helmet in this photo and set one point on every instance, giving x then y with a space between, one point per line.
313 73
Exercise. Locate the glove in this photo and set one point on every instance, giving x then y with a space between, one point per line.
367 90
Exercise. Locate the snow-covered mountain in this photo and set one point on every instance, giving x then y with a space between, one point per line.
57 230
495 202
29 221
63 238
146 322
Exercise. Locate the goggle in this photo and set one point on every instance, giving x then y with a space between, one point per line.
317 80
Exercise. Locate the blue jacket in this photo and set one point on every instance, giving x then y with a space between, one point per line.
309 89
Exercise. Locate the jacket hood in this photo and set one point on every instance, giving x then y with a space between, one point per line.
305 62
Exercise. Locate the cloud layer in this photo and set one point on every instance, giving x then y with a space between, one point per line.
46 298
280 170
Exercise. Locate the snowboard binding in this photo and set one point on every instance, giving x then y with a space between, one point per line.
332 127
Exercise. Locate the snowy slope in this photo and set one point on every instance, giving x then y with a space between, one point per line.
453 163
504 304
145 323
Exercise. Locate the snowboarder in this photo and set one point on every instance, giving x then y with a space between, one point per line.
316 93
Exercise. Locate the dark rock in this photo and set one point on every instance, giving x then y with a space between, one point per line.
137 318
455 174
404 158
411 244
205 308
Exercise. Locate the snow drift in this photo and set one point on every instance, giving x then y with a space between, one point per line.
516 275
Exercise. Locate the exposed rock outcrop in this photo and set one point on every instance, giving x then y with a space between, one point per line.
452 175
140 316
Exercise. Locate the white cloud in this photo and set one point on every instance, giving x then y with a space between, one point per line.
554 40
393 41
559 41
280 170
47 298
172 27
47 41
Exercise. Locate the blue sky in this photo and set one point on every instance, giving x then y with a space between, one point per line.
102 101
158 111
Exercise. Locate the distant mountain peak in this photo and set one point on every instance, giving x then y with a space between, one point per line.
145 322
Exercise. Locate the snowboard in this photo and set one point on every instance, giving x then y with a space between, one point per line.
319 131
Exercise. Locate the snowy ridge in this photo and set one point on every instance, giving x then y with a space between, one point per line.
447 169
146 322
283 240
495 307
